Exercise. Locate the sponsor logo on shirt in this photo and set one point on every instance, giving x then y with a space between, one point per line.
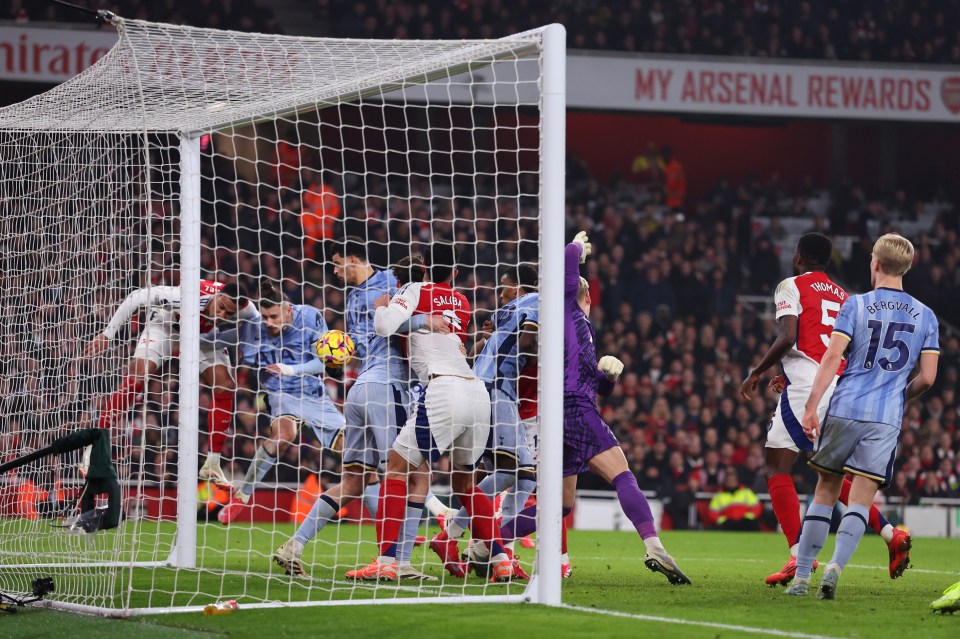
783 305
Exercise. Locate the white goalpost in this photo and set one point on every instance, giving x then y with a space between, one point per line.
188 158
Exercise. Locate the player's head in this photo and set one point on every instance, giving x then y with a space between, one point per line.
583 296
274 307
228 300
813 253
892 256
440 261
516 281
409 269
350 262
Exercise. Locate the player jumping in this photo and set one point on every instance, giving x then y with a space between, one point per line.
159 341
885 333
806 308
588 443
453 414
277 342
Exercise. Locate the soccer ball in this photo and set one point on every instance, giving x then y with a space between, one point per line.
335 348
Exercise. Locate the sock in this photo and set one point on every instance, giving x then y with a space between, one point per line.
322 512
786 505
876 520
259 467
480 508
516 498
492 484
522 525
653 543
434 506
563 536
813 534
219 418
393 510
408 533
371 499
634 504
120 402
849 534
213 459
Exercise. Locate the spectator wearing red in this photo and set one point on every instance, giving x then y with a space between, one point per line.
674 180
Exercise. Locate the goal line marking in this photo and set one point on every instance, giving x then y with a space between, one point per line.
705 624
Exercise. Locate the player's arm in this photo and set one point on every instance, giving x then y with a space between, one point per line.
135 301
575 254
388 319
608 371
786 338
925 377
829 366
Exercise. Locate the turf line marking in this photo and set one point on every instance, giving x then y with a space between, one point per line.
706 624
762 561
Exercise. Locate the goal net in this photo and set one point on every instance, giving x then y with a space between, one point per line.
180 225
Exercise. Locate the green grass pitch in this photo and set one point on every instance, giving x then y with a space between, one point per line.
611 594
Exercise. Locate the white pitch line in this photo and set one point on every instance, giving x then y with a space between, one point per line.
770 632
762 561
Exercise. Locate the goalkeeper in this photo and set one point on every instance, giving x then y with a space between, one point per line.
588 443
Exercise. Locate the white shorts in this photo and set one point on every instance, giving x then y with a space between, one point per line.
785 429
160 340
453 414
531 430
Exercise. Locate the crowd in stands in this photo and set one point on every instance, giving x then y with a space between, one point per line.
911 31
239 15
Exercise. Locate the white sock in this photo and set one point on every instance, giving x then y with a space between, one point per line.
259 467
564 558
213 459
793 550
653 543
435 506
887 533
386 561
454 530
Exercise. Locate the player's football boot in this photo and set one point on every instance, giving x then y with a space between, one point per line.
288 557
528 542
231 511
828 585
566 571
949 602
477 559
799 588
785 575
214 474
374 571
503 571
899 548
409 573
660 561
518 571
449 554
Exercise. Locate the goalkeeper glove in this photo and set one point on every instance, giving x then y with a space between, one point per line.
586 248
610 366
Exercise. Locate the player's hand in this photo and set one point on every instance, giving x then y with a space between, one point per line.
486 329
279 370
610 366
584 242
778 384
811 425
437 324
383 300
749 386
96 346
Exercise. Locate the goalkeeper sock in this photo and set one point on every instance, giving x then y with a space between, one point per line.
876 520
634 504
786 505
324 509
259 467
371 499
120 402
492 484
219 418
408 533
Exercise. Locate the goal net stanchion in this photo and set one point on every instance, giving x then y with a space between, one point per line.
189 154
